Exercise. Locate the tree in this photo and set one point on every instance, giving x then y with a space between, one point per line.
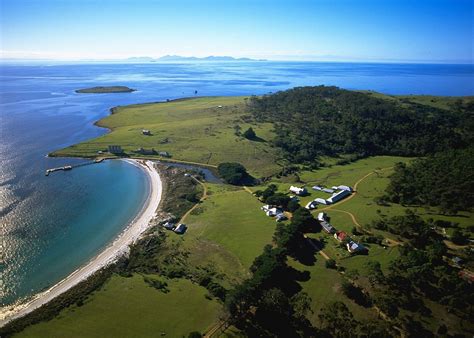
331 264
250 134
269 191
293 205
458 238
336 319
301 303
233 173
374 273
278 199
303 219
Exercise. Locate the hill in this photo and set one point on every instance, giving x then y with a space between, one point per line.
316 121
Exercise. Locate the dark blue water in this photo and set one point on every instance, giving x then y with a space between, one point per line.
52 225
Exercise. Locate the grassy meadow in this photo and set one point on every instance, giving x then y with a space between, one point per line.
146 311
198 130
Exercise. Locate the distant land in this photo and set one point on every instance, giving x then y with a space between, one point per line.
172 58
105 90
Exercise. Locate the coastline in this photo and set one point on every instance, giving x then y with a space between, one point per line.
110 253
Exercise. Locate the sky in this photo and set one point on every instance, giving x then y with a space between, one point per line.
330 30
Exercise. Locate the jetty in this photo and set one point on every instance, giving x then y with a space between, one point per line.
70 167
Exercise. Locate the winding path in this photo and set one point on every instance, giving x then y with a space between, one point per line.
204 196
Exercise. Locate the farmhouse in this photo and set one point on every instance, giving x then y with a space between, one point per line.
298 191
327 227
146 132
353 247
317 187
322 216
329 191
341 236
180 229
168 225
338 196
281 217
344 187
273 212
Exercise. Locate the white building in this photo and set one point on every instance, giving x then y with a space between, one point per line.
273 212
344 187
354 247
298 191
338 196
321 201
180 229
311 205
322 216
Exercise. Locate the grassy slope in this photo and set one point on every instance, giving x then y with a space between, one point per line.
197 131
146 312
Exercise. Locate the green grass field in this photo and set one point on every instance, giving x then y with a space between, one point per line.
128 307
195 130
228 229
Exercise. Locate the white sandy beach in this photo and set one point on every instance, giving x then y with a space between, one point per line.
108 255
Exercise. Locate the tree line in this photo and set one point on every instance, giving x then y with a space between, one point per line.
315 121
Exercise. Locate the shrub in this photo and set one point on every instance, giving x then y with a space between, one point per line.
331 264
250 134
233 173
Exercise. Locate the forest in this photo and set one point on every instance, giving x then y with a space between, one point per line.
327 121
445 180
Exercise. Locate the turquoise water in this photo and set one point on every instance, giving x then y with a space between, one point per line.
70 227
52 225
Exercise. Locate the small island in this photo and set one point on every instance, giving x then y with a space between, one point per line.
105 90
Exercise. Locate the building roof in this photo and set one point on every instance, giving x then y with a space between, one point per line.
353 246
341 235
338 196
329 191
328 227
320 200
322 216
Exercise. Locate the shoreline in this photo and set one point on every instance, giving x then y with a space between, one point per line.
109 254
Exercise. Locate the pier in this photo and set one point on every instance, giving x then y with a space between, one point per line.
70 167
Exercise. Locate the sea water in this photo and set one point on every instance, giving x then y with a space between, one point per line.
52 225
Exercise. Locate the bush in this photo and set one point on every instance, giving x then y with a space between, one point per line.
157 284
233 173
250 134
331 264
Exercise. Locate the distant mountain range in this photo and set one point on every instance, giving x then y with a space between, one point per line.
172 58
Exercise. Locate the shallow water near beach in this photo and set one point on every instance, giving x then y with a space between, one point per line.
52 225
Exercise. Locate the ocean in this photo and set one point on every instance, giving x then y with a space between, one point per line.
52 225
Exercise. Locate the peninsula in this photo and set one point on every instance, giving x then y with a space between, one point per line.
339 211
105 90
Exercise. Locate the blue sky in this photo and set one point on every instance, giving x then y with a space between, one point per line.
360 30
